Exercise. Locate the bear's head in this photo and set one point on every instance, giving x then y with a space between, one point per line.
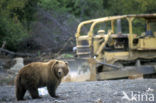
59 68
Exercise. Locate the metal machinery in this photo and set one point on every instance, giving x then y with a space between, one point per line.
114 55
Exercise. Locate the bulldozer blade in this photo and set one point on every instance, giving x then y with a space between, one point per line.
125 72
79 69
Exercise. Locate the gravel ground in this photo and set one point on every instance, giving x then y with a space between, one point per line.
92 92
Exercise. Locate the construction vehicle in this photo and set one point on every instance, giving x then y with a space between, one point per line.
112 54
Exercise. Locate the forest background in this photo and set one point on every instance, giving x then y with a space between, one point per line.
45 25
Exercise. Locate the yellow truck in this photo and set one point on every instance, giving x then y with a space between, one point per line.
113 54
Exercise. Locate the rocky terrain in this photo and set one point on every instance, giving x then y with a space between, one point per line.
82 91
111 91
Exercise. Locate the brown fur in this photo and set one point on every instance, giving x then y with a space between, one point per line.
39 74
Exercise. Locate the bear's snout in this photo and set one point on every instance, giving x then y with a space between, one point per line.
60 72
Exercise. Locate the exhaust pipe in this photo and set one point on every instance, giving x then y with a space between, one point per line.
119 26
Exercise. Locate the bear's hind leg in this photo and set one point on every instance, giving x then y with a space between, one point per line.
20 91
34 93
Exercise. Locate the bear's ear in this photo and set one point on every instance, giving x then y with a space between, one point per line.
53 62
66 63
66 70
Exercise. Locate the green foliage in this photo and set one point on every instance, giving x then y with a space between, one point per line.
66 56
118 7
79 8
49 4
86 9
16 15
11 32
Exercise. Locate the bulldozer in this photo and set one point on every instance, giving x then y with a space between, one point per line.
114 54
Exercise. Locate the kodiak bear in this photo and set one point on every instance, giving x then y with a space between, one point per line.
39 74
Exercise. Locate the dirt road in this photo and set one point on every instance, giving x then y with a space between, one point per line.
111 91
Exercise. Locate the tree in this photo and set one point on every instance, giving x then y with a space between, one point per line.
14 14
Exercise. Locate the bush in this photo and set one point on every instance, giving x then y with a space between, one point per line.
11 32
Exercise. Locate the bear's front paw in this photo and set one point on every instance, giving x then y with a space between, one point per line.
55 96
21 99
39 97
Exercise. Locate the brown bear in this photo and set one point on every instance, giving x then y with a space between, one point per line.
39 74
